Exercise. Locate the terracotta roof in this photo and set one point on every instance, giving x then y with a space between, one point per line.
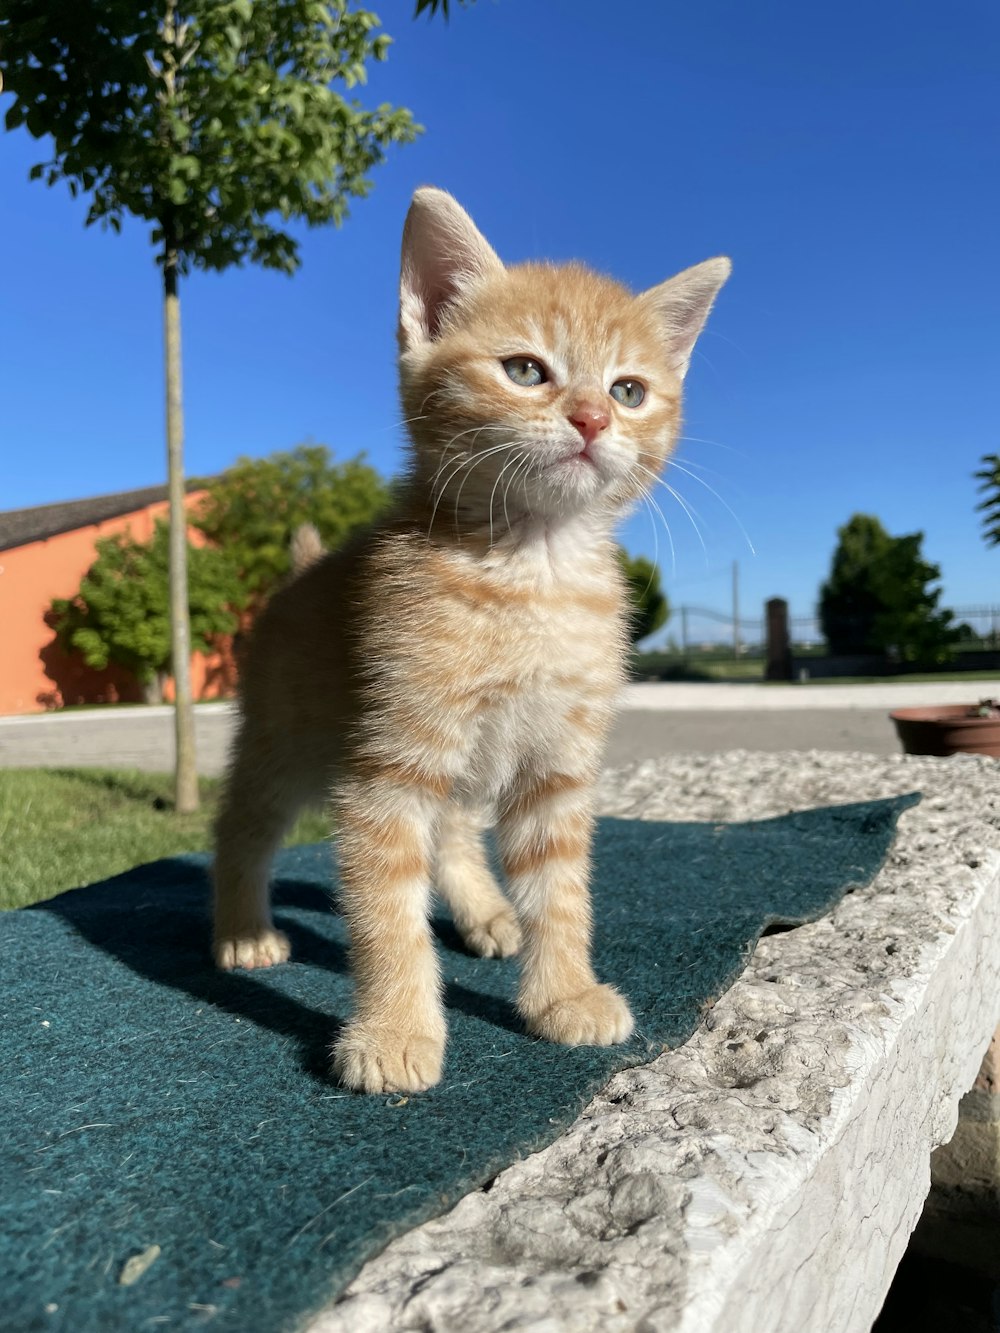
18 527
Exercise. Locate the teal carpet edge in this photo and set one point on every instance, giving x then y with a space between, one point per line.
149 1100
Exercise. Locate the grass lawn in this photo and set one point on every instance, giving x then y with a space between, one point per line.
60 828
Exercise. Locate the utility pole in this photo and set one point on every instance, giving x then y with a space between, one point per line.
736 610
684 632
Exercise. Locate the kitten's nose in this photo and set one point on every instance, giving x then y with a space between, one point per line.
590 419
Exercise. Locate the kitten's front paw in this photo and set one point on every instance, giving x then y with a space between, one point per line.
599 1016
497 938
370 1059
259 948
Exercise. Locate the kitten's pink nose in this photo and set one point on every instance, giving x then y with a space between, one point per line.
590 419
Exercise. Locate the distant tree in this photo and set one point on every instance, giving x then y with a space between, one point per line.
254 507
649 607
988 477
212 120
848 603
121 612
878 598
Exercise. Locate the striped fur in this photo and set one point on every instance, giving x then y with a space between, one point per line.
459 663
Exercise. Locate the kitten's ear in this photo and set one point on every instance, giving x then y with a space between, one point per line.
681 305
443 255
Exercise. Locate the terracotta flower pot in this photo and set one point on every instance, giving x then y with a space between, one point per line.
950 728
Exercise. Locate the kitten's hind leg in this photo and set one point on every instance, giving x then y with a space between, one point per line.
484 918
258 806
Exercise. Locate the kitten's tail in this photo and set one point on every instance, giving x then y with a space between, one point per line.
306 547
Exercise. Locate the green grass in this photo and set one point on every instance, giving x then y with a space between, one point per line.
60 828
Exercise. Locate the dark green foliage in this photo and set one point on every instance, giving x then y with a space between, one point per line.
650 609
121 612
253 509
210 119
877 598
988 477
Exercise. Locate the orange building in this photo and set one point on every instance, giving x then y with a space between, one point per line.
44 553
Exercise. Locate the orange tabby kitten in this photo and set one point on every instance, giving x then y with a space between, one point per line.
459 663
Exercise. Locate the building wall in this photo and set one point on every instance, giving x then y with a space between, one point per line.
35 675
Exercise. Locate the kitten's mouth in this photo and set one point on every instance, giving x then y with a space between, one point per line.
583 456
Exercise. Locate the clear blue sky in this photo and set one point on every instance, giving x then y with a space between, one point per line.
846 156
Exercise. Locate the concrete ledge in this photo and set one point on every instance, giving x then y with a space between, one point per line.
737 697
768 1174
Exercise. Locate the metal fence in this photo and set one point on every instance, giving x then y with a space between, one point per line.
701 631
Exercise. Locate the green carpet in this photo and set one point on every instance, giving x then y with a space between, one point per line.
146 1099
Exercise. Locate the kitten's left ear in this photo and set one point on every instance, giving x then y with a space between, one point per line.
681 305
444 254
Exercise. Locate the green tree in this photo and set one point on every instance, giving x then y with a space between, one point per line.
121 612
848 603
214 121
988 477
878 598
649 607
253 509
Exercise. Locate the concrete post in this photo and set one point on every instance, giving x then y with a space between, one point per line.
779 649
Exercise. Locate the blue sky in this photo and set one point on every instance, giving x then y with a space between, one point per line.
845 156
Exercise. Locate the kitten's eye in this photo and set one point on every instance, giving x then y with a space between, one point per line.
629 393
525 370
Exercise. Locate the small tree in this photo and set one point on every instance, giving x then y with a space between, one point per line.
253 509
121 612
878 597
208 119
988 477
848 603
649 607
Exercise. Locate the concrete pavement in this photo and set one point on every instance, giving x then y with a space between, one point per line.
656 719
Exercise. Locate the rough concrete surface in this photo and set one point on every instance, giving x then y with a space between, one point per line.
767 1174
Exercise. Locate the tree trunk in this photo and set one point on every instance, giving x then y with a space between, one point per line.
152 689
186 774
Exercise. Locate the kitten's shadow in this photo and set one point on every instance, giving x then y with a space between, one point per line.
154 920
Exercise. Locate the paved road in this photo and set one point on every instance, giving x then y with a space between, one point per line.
655 719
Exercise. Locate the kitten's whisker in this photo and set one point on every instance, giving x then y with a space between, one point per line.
656 551
649 501
472 465
694 477
526 461
403 421
692 514
464 460
516 459
677 461
685 468
440 493
476 431
699 439
688 508
686 504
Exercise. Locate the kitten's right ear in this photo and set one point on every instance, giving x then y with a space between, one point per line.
443 255
681 305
